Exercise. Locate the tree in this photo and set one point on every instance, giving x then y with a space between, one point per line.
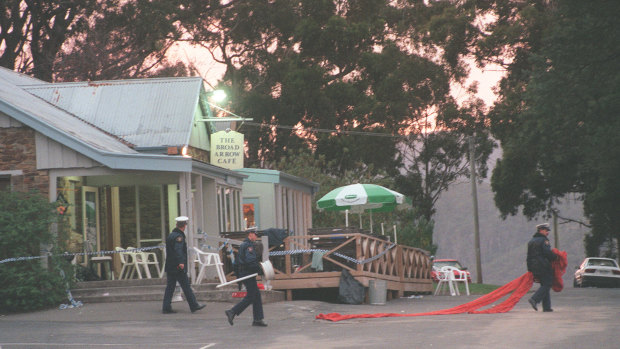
356 67
25 226
562 138
93 40
32 33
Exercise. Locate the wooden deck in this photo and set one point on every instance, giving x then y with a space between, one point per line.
405 269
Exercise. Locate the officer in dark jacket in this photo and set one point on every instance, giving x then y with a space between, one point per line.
539 257
176 267
249 263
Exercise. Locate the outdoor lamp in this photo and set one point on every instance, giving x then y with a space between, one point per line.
218 96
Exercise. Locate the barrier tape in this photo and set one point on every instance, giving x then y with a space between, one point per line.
139 249
74 303
351 259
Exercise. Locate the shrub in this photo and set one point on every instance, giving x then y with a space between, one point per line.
26 220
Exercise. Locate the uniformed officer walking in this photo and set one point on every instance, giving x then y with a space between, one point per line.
539 257
176 267
249 263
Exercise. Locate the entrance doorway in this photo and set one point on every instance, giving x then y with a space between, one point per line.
90 219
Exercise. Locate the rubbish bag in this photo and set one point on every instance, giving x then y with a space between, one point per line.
276 236
350 291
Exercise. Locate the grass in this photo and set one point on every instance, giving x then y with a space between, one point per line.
474 288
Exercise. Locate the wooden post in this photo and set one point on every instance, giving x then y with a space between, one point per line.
474 196
400 270
358 250
287 258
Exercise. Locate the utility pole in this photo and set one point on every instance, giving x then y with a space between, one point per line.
474 195
556 237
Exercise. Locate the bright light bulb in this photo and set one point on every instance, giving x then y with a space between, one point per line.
218 96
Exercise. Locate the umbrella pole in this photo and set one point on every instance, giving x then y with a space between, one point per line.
395 236
371 221
360 221
347 218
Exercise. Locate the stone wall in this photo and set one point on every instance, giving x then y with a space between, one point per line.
18 152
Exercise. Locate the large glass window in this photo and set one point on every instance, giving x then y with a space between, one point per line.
229 209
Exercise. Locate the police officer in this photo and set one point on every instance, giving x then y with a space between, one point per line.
539 257
249 263
176 267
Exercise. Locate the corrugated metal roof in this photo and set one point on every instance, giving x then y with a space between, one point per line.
16 78
143 112
13 98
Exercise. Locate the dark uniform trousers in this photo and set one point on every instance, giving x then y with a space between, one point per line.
252 297
542 294
180 276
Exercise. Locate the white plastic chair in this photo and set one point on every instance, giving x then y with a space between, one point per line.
455 276
459 276
145 259
445 277
128 260
205 260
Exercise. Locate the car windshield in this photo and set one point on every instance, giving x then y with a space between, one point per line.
602 263
455 264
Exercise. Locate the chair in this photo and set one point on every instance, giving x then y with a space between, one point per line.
455 276
460 276
99 259
128 259
444 277
208 259
145 259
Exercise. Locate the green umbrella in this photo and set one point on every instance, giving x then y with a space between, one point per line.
358 198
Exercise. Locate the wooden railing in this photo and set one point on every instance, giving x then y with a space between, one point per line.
356 252
366 257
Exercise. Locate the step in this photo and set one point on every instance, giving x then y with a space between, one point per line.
153 289
201 296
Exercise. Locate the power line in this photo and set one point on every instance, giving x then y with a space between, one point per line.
321 130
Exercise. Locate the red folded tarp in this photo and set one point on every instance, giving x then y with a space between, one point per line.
518 287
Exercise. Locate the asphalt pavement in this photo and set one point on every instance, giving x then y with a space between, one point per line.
583 318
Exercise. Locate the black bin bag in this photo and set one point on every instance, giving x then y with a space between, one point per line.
350 290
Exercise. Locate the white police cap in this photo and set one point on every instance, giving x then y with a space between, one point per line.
182 219
544 226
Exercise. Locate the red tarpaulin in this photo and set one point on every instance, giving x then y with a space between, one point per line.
518 287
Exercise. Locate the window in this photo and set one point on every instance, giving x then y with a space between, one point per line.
5 183
229 208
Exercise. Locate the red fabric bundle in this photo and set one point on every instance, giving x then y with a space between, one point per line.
559 268
518 287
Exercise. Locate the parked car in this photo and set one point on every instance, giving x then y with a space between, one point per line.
597 272
438 263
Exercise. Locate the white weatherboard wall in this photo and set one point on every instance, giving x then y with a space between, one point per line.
264 192
284 201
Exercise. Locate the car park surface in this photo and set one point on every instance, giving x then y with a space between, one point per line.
583 318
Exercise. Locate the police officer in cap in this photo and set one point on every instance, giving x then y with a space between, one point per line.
539 257
249 263
176 267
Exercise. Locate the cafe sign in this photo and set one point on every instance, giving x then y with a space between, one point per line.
227 149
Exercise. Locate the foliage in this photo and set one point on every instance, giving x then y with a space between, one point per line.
25 221
32 33
562 137
305 164
357 67
415 230
435 161
77 40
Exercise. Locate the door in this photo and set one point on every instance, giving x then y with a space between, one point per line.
90 219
